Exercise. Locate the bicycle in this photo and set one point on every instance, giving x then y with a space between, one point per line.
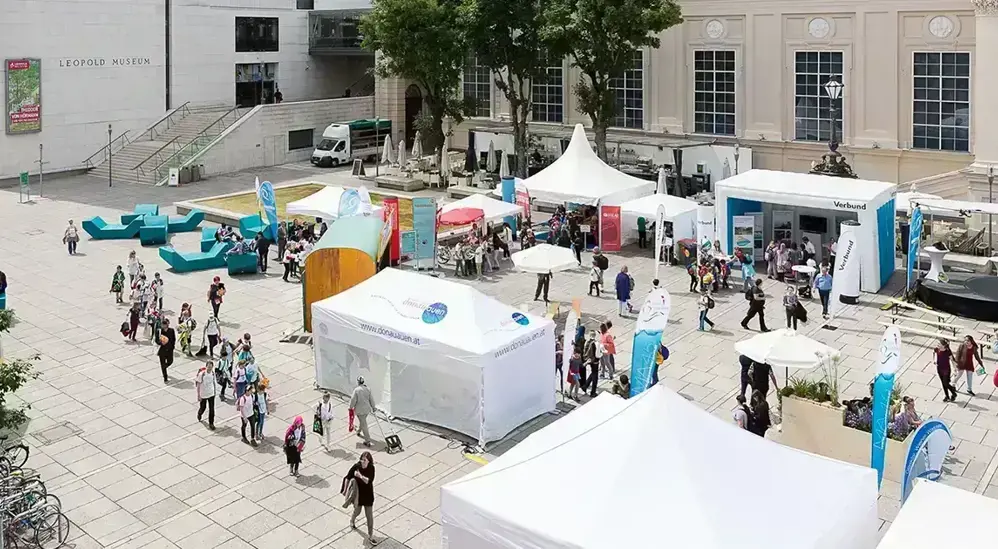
16 454
43 526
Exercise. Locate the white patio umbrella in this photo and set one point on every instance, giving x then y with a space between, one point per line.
417 145
662 188
545 258
490 160
401 158
504 166
787 349
386 151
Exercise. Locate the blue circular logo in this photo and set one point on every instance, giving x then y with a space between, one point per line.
434 313
521 319
349 203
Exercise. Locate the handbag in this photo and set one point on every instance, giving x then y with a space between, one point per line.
317 423
352 414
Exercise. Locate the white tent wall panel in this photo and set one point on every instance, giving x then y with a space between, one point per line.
520 383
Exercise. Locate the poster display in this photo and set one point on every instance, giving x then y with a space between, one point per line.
23 97
424 224
743 229
523 199
609 232
391 213
407 244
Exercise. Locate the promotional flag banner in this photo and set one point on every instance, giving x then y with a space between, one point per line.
929 445
365 201
652 321
349 203
914 241
269 203
845 278
391 206
883 384
609 232
659 235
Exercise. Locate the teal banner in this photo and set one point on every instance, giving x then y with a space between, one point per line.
424 224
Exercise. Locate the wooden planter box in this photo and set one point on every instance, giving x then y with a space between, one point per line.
817 428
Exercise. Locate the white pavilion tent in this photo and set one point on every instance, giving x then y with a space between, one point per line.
657 471
495 210
681 212
436 351
936 515
579 176
324 203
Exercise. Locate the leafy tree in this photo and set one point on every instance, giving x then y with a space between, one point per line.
601 37
419 40
13 375
6 322
506 37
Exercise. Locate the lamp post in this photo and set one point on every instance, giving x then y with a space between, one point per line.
832 163
109 155
991 182
737 152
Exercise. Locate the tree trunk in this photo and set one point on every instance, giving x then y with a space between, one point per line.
599 129
520 115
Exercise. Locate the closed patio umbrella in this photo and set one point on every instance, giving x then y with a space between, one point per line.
662 187
471 157
504 166
417 145
490 160
401 158
386 151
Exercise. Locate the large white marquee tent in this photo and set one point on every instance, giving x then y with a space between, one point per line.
681 212
580 177
324 203
969 519
438 352
656 471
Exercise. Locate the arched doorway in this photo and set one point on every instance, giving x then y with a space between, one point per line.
413 106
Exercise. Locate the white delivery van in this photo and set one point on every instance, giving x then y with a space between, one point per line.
344 141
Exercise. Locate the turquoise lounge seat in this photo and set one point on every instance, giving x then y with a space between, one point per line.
198 261
186 223
250 225
153 230
241 263
3 301
99 229
139 211
208 238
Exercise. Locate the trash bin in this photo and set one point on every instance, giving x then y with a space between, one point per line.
195 172
185 175
201 171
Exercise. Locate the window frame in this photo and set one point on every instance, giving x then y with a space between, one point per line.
822 80
621 119
311 133
734 93
548 94
471 62
252 44
969 102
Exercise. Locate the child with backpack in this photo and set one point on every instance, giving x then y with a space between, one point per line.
705 304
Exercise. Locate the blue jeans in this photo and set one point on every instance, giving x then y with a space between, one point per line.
704 319
240 388
261 418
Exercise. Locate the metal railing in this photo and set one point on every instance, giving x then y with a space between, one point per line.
156 156
122 140
189 150
168 120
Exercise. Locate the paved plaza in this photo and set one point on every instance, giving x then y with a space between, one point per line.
135 469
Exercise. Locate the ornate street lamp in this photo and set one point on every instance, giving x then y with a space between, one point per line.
833 163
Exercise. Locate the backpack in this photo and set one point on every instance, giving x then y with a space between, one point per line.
602 262
748 295
710 302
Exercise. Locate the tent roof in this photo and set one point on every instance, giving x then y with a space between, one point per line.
804 184
579 176
702 466
903 199
402 303
956 206
648 205
357 232
494 209
935 503
324 203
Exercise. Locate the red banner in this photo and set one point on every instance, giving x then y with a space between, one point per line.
609 230
391 206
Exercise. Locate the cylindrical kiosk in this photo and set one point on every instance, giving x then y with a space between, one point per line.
509 195
705 223
845 278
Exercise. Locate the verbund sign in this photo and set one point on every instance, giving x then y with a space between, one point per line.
79 62
842 205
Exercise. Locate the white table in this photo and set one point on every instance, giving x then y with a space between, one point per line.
935 262
804 269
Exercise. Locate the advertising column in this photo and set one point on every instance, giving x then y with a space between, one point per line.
705 224
845 278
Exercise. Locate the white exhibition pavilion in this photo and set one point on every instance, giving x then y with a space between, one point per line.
438 352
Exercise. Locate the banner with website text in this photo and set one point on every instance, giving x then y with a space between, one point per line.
23 97
609 230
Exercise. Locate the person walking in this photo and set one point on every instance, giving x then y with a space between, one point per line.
207 387
591 355
133 267
158 291
823 283
362 474
262 248
782 255
223 371
808 247
790 302
325 412
759 420
705 304
741 413
70 237
746 364
642 232
624 284
966 354
757 306
134 316
594 275
238 376
575 368
118 284
246 409
167 342
608 363
215 294
762 375
694 271
944 359
212 334
260 402
543 284
770 256
282 240
362 404
294 444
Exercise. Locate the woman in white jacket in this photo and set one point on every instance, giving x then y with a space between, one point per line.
207 387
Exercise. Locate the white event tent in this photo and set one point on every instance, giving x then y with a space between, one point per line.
814 198
324 203
968 515
436 351
657 471
495 210
681 212
579 176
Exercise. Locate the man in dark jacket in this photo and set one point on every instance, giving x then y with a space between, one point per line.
167 341
543 284
757 306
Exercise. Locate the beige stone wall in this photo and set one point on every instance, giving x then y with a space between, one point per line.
877 38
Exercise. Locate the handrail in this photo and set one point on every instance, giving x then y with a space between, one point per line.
184 109
195 140
159 150
109 146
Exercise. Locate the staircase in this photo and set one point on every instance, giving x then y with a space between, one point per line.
147 158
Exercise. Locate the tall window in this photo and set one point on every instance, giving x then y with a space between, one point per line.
256 34
477 83
630 94
547 93
812 107
714 92
941 105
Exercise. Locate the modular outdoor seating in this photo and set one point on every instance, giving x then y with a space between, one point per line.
3 301
197 261
99 229
250 225
186 223
153 230
140 211
208 238
241 263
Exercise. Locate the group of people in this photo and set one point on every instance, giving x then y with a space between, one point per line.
592 359
566 229
481 250
145 297
968 352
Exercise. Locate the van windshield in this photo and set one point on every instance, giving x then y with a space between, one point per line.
326 145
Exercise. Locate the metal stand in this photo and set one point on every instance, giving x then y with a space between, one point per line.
41 171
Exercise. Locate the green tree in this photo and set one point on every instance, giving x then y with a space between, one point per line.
13 375
506 38
601 36
419 40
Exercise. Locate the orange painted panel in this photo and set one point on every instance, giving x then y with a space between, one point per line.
330 271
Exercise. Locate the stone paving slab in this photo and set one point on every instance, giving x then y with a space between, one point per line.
134 468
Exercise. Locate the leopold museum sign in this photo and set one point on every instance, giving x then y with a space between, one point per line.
73 62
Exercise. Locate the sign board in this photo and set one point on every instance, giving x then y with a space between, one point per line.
23 97
610 228
407 241
585 228
358 167
743 230
424 223
174 177
24 179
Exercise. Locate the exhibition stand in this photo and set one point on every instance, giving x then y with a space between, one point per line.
494 211
787 207
672 469
680 212
326 203
438 352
